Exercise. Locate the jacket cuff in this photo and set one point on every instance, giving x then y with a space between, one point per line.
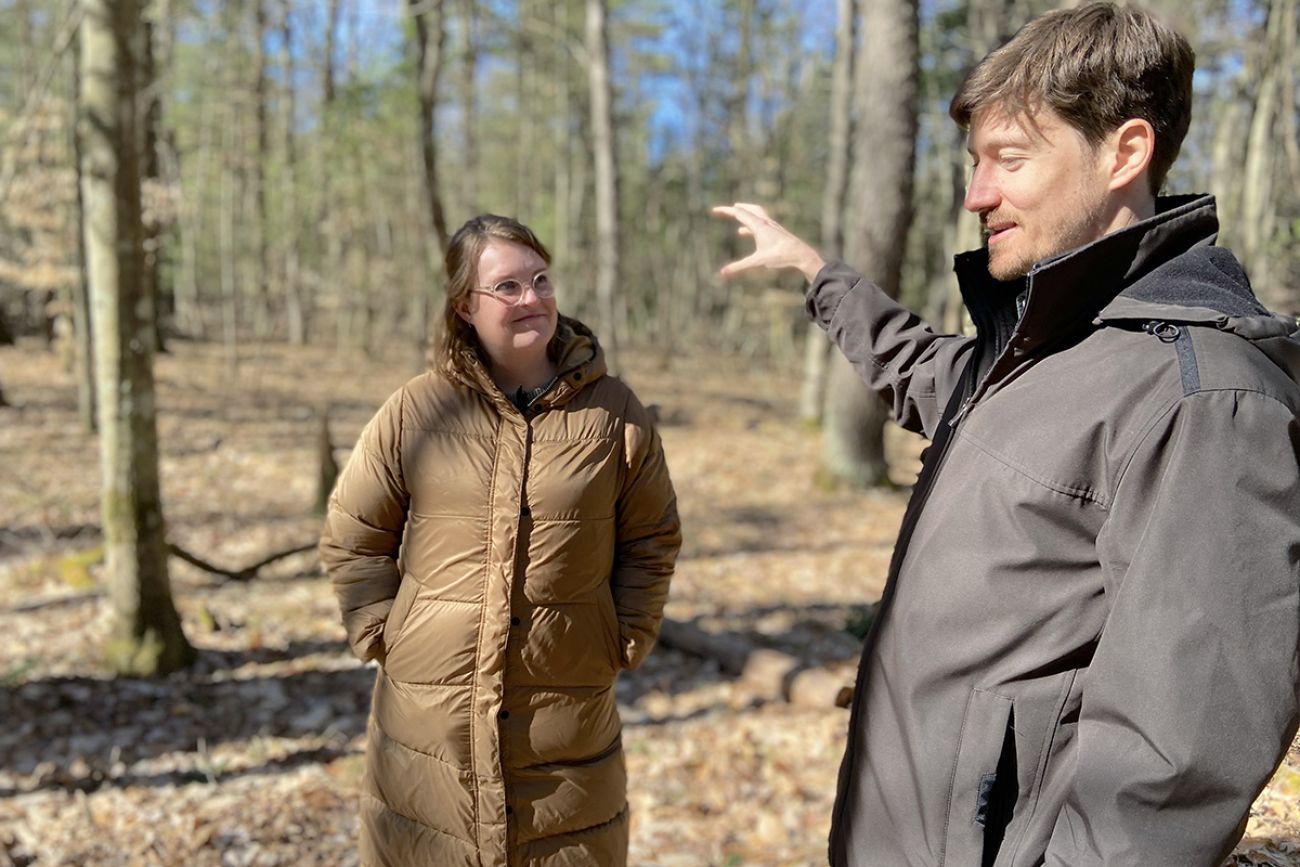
827 290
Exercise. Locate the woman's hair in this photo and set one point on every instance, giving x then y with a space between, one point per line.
461 262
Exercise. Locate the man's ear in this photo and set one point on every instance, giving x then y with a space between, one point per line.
1133 145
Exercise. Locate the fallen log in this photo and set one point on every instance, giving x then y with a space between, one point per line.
773 672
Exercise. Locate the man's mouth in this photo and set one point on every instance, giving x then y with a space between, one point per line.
995 232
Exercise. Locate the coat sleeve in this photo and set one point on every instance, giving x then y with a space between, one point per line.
1190 700
648 536
363 530
912 367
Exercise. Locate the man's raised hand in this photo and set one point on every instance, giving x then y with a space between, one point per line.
774 245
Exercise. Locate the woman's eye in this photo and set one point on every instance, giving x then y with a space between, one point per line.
509 289
541 282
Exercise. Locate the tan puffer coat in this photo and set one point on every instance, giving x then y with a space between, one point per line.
503 567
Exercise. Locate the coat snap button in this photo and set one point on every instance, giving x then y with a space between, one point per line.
510 811
515 621
525 511
504 714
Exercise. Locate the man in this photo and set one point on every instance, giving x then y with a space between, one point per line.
1086 653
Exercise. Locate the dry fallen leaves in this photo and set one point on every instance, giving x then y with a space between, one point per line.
254 756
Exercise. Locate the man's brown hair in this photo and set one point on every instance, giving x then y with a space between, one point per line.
1096 66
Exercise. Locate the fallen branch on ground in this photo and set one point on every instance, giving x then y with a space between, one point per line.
248 573
773 671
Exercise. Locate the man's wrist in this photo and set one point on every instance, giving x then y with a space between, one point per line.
812 265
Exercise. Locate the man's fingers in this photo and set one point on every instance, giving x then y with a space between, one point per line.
744 232
753 260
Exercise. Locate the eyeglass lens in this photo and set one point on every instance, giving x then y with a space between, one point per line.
513 290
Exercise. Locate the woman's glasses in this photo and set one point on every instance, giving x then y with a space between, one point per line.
511 291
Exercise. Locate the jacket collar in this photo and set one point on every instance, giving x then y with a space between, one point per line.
579 360
1067 291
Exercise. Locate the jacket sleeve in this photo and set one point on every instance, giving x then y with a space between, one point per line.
363 530
648 536
1190 701
899 356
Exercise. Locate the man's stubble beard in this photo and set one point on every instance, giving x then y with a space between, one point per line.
1066 234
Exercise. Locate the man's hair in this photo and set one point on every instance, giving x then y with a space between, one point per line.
1096 66
461 262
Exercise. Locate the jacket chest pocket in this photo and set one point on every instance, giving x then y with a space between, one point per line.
985 782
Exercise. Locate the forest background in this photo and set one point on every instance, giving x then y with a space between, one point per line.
297 167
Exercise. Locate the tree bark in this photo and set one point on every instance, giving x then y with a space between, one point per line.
146 637
83 346
469 104
816 346
602 135
151 177
262 308
877 220
430 39
294 296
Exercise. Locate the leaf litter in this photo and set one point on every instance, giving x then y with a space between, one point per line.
254 756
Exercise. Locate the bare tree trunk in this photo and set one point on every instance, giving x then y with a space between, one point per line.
602 134
295 302
877 220
430 39
151 179
83 348
226 253
262 307
469 104
325 218
1258 198
146 637
563 155
816 345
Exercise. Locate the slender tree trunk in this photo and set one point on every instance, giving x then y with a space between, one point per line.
1258 198
430 40
563 153
295 302
227 254
262 306
602 135
878 217
469 104
83 351
151 178
326 219
816 346
146 637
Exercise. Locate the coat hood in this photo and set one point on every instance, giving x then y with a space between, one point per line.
1180 277
576 351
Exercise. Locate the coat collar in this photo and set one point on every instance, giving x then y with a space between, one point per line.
578 356
1067 291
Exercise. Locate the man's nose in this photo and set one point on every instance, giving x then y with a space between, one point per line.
981 193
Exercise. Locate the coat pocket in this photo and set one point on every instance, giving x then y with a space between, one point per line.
984 782
406 593
609 619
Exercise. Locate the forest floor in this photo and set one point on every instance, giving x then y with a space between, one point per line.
253 757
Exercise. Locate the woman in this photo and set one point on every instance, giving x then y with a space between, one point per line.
501 541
